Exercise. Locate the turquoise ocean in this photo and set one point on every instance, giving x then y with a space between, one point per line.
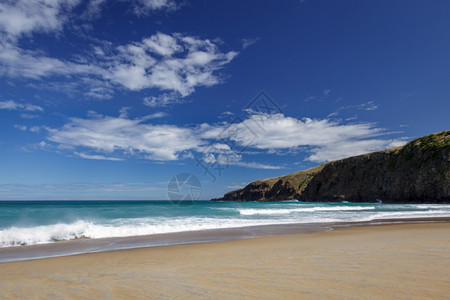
42 222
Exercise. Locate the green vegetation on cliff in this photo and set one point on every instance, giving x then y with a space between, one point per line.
417 172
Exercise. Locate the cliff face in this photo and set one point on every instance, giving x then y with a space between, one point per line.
418 172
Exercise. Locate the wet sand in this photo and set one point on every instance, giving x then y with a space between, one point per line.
409 261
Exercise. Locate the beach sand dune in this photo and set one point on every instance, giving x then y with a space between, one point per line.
406 261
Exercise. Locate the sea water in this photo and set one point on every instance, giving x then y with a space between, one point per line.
41 222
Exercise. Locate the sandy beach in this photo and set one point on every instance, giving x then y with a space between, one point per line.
402 261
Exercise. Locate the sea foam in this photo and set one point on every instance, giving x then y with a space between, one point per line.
265 211
38 223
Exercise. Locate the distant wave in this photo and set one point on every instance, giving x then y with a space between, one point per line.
266 211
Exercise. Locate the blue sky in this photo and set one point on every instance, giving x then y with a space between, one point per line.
109 99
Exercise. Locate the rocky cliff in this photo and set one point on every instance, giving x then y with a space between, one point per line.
418 172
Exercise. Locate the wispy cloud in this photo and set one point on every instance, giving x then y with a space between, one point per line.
322 97
19 63
97 157
93 9
236 186
368 106
163 100
34 129
143 7
13 105
326 140
248 42
323 139
21 127
21 17
125 136
256 165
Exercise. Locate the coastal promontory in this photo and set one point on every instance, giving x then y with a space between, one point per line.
418 172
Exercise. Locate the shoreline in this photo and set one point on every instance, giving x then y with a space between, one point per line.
86 246
400 261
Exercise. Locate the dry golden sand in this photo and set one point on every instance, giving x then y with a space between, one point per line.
372 262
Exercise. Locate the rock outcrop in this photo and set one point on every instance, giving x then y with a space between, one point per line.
418 172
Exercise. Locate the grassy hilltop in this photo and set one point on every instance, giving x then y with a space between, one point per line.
418 172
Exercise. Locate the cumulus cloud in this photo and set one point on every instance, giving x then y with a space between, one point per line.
168 62
174 63
13 105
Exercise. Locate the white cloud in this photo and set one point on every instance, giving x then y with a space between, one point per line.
28 116
276 134
20 17
341 149
155 116
326 140
35 129
132 137
101 135
156 4
236 186
255 165
12 105
248 42
368 106
162 44
174 63
93 9
142 7
16 62
163 100
21 127
23 17
97 157
98 89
